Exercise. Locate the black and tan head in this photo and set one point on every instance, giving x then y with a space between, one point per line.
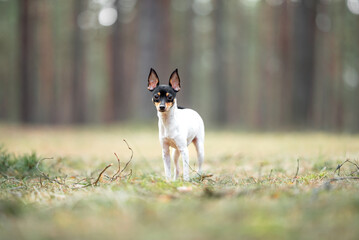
164 96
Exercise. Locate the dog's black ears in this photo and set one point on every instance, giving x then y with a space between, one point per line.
175 81
153 80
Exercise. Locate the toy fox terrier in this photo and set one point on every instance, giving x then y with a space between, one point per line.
178 127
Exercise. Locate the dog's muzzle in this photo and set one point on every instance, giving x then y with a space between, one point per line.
162 108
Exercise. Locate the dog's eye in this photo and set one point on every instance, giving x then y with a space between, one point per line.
170 98
156 97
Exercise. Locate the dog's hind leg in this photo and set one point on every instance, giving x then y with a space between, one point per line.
185 159
199 144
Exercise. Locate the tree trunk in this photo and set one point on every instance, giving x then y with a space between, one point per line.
78 68
118 88
303 59
46 65
219 76
26 97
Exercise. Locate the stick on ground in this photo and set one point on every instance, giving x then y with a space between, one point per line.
119 171
296 174
99 176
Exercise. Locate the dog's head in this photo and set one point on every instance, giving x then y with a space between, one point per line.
164 96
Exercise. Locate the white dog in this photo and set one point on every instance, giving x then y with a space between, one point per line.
178 127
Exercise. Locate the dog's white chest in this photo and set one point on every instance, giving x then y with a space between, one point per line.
171 142
168 134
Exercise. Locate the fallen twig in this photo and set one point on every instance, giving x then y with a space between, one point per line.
270 174
201 176
205 176
78 182
119 168
347 161
326 184
8 178
130 157
296 174
46 176
63 182
342 178
99 176
119 171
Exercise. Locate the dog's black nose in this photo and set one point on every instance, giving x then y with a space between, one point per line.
162 108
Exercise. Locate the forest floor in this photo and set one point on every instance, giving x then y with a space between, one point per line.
254 186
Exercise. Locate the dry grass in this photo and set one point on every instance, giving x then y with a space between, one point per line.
252 195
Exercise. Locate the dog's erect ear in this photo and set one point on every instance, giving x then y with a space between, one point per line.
153 80
175 81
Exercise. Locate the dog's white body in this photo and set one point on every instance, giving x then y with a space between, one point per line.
177 129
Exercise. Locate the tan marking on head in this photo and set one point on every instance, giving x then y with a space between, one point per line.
159 94
168 105
167 94
157 104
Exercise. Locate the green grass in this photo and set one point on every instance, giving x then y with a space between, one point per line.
253 193
18 166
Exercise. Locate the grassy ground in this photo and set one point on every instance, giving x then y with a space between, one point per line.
253 193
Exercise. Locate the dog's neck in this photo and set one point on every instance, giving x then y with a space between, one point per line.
167 118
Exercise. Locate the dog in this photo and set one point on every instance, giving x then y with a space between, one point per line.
178 127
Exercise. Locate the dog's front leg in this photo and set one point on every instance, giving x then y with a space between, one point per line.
166 160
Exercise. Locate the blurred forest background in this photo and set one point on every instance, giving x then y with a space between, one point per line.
252 64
